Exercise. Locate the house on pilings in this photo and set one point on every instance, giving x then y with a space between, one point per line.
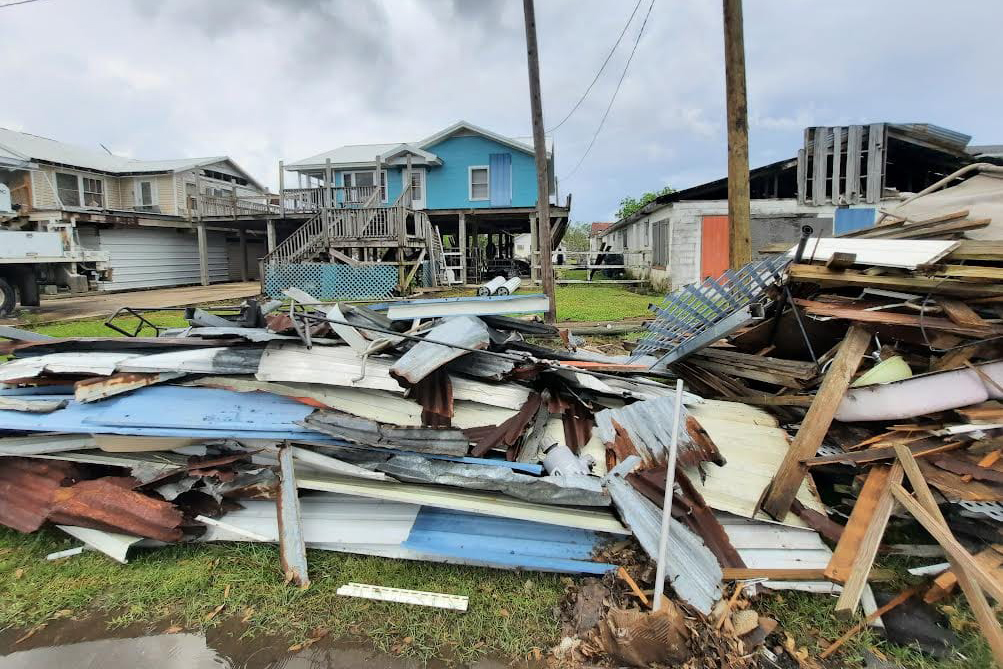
439 211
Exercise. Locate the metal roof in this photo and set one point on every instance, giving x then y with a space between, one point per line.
25 146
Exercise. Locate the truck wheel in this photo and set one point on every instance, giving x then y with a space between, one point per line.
27 286
7 298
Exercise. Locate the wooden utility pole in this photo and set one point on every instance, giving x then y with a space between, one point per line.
542 176
739 243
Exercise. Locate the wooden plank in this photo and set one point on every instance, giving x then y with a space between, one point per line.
875 162
984 614
840 260
867 549
740 371
802 370
970 272
906 226
841 563
853 135
787 480
968 249
348 260
862 315
938 230
961 313
911 283
882 453
777 400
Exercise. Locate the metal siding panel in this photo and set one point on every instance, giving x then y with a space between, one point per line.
500 179
151 257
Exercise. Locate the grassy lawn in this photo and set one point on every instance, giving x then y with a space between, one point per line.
510 613
588 303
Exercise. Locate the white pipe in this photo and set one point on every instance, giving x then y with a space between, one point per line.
670 481
491 286
509 287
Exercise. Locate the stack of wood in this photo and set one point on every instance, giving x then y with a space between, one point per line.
919 440
945 226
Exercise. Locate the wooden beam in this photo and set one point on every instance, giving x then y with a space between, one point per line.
917 284
927 506
841 563
461 240
347 259
862 315
414 270
739 244
542 162
867 550
787 480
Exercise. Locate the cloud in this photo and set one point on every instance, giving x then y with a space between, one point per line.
284 79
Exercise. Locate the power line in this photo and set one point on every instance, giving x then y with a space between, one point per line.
604 64
17 2
613 98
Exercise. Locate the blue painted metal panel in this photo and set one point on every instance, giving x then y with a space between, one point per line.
500 179
505 543
849 220
449 184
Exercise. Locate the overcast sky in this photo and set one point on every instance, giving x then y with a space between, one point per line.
272 79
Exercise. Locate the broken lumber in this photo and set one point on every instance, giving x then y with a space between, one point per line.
862 315
867 549
984 613
841 563
917 284
787 480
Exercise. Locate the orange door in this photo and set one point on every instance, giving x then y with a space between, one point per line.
714 246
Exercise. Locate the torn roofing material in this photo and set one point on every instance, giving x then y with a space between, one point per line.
646 425
340 366
34 444
425 356
27 488
562 490
371 433
292 546
98 388
109 504
691 568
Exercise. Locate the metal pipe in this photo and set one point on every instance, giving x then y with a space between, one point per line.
670 482
491 287
509 287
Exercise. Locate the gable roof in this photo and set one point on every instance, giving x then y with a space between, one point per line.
598 226
361 155
477 130
35 147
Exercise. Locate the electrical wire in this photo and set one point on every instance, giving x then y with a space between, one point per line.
17 2
613 98
604 64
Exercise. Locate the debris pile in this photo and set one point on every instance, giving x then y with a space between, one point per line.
451 430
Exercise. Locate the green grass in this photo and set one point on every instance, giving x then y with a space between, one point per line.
510 613
96 327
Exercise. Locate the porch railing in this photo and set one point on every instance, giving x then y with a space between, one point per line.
300 200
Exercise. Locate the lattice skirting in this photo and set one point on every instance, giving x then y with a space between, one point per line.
333 282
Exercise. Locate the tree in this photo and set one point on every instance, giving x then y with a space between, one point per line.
577 237
630 205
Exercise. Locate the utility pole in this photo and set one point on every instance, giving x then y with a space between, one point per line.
739 243
542 176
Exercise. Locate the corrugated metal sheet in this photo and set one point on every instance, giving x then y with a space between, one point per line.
27 488
691 568
109 504
469 306
364 431
292 546
425 357
150 257
648 427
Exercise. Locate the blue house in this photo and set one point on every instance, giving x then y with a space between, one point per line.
463 193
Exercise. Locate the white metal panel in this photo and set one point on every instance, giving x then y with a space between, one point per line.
151 257
326 519
384 594
905 253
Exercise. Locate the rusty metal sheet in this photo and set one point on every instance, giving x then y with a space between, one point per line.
435 395
27 487
506 434
91 390
110 504
84 344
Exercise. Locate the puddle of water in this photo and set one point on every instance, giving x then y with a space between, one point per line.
190 651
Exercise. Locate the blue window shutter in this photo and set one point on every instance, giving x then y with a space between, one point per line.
500 179
850 220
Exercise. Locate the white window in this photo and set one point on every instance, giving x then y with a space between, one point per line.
479 183
358 185
146 193
93 192
68 186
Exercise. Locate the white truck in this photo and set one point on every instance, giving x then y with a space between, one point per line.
32 257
